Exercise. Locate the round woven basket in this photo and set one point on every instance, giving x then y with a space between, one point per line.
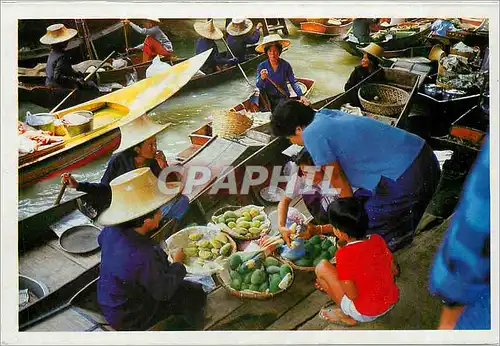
305 269
233 234
253 294
230 124
391 100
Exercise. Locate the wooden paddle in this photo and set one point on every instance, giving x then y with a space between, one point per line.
60 195
125 36
241 69
86 79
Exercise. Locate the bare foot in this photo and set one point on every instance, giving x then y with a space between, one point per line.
334 314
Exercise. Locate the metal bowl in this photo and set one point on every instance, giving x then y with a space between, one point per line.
80 128
41 121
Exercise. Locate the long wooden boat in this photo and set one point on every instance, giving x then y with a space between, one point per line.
73 287
204 133
325 30
110 111
297 21
417 39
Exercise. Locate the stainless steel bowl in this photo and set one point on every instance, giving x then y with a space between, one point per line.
80 128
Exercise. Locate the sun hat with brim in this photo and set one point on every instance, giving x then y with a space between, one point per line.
208 30
135 194
57 33
239 27
154 20
270 40
374 50
137 131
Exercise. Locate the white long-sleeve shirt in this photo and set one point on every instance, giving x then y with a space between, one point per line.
156 33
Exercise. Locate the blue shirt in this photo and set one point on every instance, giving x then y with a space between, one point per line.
461 269
238 44
215 58
281 76
135 276
365 148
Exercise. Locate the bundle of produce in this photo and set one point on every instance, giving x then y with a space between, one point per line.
205 249
245 223
253 275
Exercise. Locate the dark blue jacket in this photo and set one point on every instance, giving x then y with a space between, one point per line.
215 58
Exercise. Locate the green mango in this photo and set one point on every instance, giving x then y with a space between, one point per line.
243 224
245 286
254 230
316 240
264 286
259 218
247 215
325 244
316 251
248 278
225 250
271 261
205 254
258 277
234 261
285 269
221 219
240 219
204 243
190 251
273 284
254 287
229 214
215 243
273 269
236 284
303 262
195 236
332 250
255 224
324 255
308 247
235 275
222 238
231 219
231 224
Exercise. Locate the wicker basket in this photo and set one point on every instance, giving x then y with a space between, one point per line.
252 294
391 100
230 124
305 269
229 231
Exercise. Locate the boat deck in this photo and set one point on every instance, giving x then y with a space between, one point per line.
295 309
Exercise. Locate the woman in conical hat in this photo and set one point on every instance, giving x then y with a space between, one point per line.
59 69
156 42
239 35
273 75
138 286
372 55
209 34
137 149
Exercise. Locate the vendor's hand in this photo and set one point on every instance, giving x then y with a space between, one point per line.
264 74
285 234
161 159
67 179
177 255
259 25
309 232
304 100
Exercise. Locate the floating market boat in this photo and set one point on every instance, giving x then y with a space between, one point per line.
108 113
326 29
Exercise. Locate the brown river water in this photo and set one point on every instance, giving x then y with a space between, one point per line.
319 59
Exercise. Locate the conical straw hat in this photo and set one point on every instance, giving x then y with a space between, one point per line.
134 194
374 50
154 20
436 53
57 33
208 30
239 26
272 39
137 131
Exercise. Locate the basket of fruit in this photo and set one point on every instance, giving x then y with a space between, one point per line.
244 223
315 249
252 275
205 249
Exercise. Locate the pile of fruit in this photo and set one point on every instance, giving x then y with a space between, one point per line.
265 276
246 223
215 248
316 249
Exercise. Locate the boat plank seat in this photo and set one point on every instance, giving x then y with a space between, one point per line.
69 320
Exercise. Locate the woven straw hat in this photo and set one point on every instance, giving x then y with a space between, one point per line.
154 20
436 52
134 194
374 50
208 30
137 131
57 33
239 26
272 39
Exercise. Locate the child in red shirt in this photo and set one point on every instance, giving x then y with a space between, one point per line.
362 283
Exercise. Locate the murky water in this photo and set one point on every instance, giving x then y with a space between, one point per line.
321 60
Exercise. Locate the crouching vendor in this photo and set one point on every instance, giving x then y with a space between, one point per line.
138 287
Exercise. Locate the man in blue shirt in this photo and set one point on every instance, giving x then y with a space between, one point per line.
396 171
461 271
238 37
209 33
138 286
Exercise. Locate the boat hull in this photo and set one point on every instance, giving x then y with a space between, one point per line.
319 29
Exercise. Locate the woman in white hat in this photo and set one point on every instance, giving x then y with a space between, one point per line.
59 71
137 149
209 34
156 42
372 55
239 36
138 286
274 74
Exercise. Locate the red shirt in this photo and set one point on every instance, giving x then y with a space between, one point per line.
368 264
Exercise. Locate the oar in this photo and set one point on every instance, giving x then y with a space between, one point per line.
61 193
86 79
280 90
241 69
125 35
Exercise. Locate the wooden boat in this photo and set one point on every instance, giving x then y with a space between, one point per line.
110 111
73 286
394 44
398 78
297 21
325 30
204 133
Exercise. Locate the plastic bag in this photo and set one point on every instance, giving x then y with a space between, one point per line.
157 66
295 251
205 281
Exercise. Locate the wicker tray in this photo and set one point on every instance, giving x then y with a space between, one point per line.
306 269
180 239
233 234
391 99
225 280
230 124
